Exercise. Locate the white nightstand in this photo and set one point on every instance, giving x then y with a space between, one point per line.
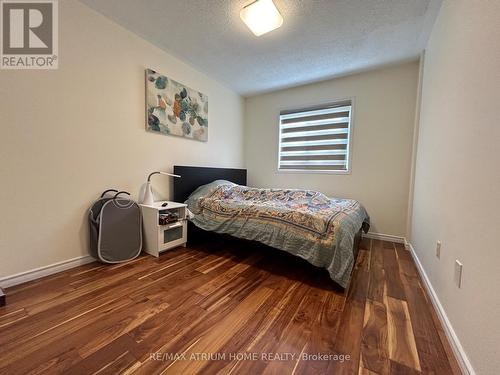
159 238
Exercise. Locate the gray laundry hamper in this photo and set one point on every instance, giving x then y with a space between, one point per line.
115 228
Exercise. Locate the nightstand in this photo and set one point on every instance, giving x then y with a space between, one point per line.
157 237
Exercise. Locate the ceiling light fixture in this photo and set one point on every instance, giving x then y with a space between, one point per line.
261 16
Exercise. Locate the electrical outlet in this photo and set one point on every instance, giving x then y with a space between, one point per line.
438 249
458 273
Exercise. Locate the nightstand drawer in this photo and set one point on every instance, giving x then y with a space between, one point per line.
172 235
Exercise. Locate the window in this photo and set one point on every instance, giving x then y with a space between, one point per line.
315 139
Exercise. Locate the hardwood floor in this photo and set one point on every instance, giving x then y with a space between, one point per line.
246 308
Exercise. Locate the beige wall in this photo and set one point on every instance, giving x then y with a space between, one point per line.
457 182
67 135
384 110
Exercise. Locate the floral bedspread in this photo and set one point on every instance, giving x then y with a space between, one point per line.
302 222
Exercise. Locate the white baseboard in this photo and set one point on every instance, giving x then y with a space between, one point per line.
385 237
463 360
37 273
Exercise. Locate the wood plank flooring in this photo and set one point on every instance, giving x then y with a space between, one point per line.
230 307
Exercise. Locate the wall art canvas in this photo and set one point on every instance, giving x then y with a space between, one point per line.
175 109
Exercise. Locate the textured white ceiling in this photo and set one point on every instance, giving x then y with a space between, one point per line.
319 39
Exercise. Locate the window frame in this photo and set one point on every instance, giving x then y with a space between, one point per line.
312 106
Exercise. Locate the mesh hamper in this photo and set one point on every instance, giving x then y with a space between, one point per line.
115 228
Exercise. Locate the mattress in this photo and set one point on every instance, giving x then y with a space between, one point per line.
304 223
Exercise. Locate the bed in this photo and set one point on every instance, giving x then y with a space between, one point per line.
322 230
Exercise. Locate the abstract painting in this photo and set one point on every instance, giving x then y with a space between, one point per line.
175 109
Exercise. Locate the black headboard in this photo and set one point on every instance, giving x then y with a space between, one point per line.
193 177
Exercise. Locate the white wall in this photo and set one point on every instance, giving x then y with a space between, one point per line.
457 181
384 115
66 135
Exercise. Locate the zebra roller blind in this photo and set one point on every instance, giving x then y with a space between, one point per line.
315 139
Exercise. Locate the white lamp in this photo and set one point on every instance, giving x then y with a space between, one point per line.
146 194
261 16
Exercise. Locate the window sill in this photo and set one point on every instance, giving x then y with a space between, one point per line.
302 171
